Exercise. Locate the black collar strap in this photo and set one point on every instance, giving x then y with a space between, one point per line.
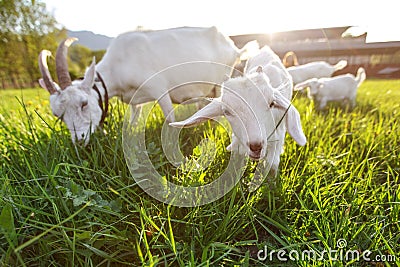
103 104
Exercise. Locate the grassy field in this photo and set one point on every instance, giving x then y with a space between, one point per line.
339 195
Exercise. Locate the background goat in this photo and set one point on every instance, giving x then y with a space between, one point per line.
317 69
132 59
341 87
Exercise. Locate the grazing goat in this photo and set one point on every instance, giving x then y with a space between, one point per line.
198 54
317 69
258 108
341 87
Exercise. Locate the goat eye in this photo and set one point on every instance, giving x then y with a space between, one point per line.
272 104
227 112
84 104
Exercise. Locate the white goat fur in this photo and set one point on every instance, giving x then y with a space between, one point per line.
338 88
132 59
317 69
254 105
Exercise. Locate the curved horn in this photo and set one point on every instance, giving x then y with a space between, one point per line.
44 69
62 64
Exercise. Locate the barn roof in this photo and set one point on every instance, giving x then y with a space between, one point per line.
318 42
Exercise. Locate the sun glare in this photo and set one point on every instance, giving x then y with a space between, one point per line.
232 18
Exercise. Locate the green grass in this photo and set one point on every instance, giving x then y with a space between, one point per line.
63 205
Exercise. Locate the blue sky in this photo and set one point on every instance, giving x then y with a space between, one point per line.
379 18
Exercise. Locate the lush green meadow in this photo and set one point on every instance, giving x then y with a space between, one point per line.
63 205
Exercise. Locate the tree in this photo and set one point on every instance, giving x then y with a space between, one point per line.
25 29
80 58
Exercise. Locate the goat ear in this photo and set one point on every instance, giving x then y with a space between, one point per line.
293 123
88 81
293 126
305 84
43 85
301 86
212 110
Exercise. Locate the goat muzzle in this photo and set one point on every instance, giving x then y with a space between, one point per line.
255 150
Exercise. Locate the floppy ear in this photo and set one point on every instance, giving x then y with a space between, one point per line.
88 81
212 110
293 123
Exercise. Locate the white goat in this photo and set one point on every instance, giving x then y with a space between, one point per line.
255 105
341 87
317 69
131 60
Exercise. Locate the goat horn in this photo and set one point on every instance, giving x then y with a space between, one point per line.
44 69
62 64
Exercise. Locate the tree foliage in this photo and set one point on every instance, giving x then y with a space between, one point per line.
25 29
80 58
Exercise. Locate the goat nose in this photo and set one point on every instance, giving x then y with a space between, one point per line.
256 146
